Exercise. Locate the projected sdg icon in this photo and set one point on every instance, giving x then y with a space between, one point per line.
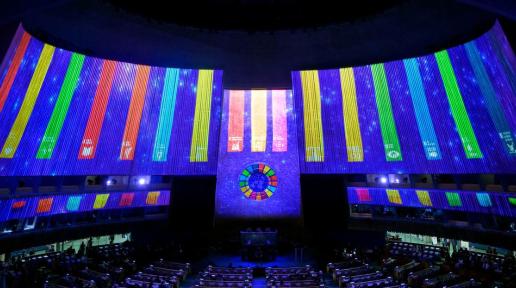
258 181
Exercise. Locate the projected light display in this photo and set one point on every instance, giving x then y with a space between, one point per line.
258 169
448 112
64 113
502 204
26 207
258 181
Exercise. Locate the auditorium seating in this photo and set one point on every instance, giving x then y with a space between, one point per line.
214 276
283 277
415 278
416 265
416 251
111 265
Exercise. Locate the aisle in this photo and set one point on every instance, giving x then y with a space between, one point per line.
259 282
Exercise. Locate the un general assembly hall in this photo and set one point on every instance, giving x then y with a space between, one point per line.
257 144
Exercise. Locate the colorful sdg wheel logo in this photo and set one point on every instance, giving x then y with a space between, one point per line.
258 181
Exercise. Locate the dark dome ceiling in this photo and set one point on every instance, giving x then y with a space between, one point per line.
255 15
256 42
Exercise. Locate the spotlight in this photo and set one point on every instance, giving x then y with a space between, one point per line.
141 181
109 182
383 180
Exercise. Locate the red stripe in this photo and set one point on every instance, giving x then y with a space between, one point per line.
236 121
13 68
363 195
132 124
126 200
98 110
19 204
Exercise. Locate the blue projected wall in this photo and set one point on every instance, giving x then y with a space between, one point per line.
64 113
258 171
449 112
26 207
497 203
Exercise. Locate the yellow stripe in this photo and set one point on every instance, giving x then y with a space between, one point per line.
424 197
201 129
18 128
258 120
354 147
314 147
152 198
100 201
394 196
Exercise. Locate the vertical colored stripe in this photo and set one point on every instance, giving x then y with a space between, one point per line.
394 196
61 109
18 128
484 200
314 146
387 124
152 198
98 110
258 120
279 121
100 201
126 199
459 113
201 128
453 199
363 195
166 115
354 147
424 198
73 203
13 68
132 124
422 112
45 205
492 103
19 204
236 121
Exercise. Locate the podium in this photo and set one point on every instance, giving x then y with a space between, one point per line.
258 245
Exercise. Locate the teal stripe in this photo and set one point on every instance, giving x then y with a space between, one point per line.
387 124
166 115
61 109
459 112
493 105
484 200
73 203
423 117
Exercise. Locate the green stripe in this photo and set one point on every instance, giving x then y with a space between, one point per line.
63 102
460 115
453 199
383 103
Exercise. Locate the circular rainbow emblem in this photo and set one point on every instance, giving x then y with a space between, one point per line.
258 181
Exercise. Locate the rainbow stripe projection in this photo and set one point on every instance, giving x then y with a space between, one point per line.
499 203
448 112
64 113
27 207
258 168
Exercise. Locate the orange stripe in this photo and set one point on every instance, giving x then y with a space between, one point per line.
13 69
98 111
132 124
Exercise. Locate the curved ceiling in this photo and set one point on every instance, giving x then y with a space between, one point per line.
260 53
254 15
